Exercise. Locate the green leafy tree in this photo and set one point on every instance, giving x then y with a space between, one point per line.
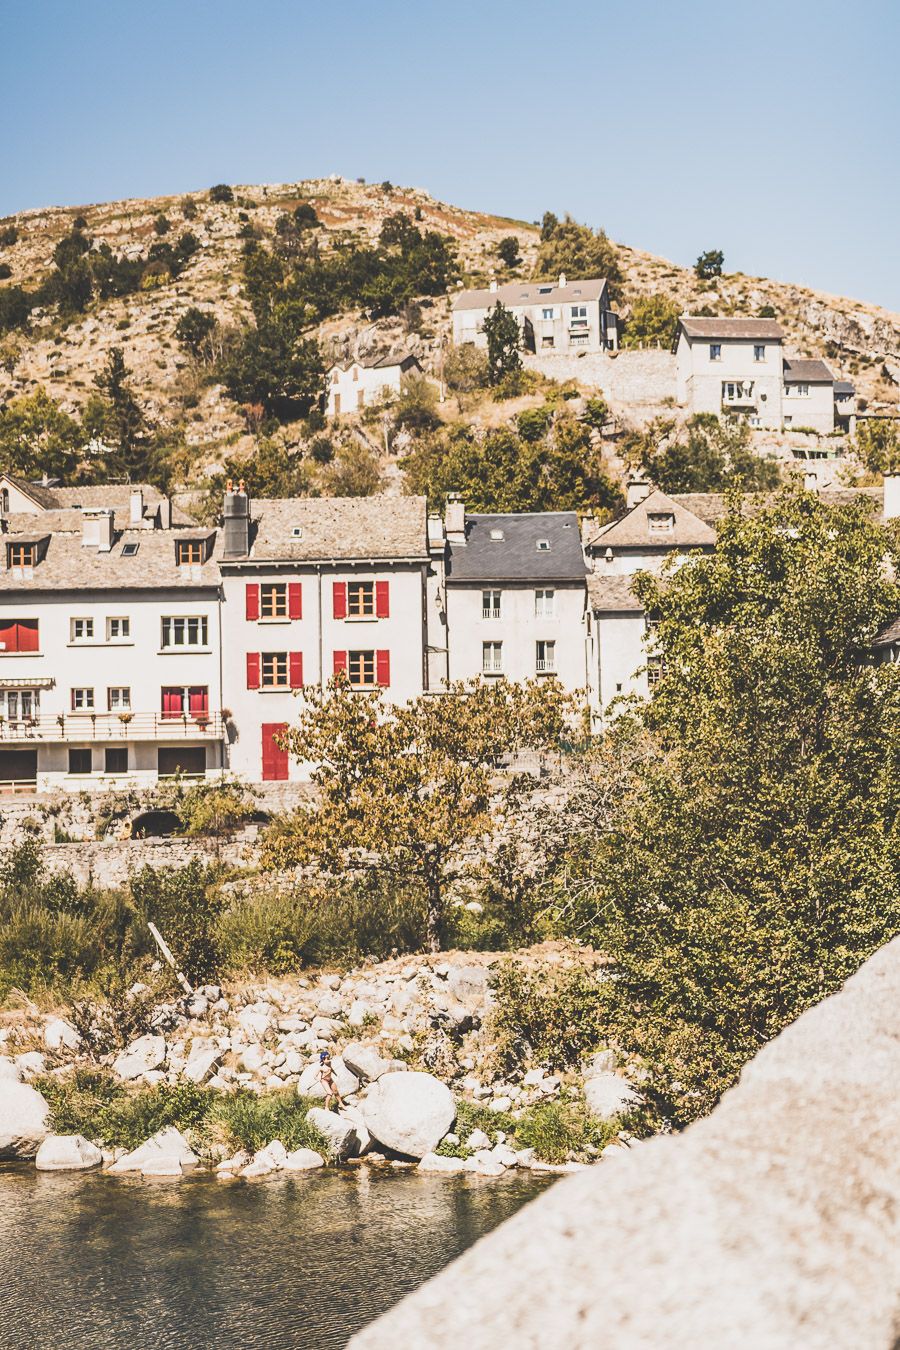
710 264
508 251
221 193
124 421
878 445
194 329
405 791
750 863
707 455
653 319
275 367
37 437
305 217
501 329
578 251
15 308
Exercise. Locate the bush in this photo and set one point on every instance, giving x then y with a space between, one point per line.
653 319
578 251
221 193
305 217
194 329
161 224
508 251
8 236
564 1129
466 369
551 1017
189 208
185 905
5 271
15 308
710 264
247 1121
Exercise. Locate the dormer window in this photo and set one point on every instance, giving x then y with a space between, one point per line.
660 522
22 555
543 546
496 534
189 552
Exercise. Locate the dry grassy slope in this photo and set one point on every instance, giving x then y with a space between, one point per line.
63 358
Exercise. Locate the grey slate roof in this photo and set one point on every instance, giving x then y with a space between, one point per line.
810 372
516 556
338 527
632 530
69 566
612 595
402 359
514 293
888 635
844 387
731 328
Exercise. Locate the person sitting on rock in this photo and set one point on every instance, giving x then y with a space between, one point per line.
328 1081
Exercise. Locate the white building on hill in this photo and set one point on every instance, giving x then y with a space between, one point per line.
358 383
556 316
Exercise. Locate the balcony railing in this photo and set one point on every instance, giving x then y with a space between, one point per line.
125 726
546 667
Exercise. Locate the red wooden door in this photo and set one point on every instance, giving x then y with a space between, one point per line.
274 758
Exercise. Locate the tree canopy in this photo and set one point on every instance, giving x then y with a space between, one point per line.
749 861
578 251
707 455
501 328
404 790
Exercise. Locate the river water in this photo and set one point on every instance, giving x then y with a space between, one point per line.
89 1262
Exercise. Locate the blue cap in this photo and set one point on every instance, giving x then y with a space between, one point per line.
323 1055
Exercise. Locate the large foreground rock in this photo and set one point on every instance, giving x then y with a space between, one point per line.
169 1144
774 1224
408 1112
24 1115
67 1153
142 1056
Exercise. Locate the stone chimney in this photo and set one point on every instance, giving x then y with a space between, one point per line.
562 281
136 507
237 521
638 490
891 496
164 514
97 528
455 518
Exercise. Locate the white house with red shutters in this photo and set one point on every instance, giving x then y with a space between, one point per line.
312 587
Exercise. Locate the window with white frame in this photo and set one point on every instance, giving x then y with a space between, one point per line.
800 390
759 352
118 628
491 658
578 316
543 546
118 698
190 630
545 657
82 630
660 522
544 604
20 705
82 700
715 351
490 604
548 313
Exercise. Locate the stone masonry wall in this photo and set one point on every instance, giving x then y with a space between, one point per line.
634 383
111 863
774 1223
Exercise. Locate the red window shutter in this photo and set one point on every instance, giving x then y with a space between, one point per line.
172 702
295 669
295 600
383 668
382 600
340 663
253 670
339 593
252 602
27 636
9 641
198 701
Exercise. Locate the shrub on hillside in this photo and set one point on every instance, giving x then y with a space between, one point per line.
221 193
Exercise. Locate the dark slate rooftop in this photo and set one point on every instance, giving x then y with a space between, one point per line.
515 555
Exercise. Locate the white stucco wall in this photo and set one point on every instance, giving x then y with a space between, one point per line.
353 388
815 408
317 635
138 663
616 655
700 379
519 630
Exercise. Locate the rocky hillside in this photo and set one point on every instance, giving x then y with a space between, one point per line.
62 355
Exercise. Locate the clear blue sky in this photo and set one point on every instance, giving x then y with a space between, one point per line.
768 129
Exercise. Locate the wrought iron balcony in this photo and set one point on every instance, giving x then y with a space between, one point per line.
106 726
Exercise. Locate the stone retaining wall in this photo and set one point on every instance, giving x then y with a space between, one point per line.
772 1224
110 864
635 383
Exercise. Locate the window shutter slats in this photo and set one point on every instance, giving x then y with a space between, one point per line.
252 602
382 600
295 669
253 670
295 600
340 663
383 668
339 599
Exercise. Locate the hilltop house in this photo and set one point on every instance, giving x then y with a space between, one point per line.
561 316
515 595
352 386
738 366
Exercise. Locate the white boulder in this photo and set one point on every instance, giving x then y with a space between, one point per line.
436 1162
163 1166
141 1056
201 1063
61 1035
310 1084
478 1139
67 1153
303 1160
607 1095
168 1143
365 1061
30 1063
8 1070
409 1112
24 1116
339 1133
256 1019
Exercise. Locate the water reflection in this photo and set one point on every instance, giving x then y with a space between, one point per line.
296 1261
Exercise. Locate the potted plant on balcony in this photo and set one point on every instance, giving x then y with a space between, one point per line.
125 717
